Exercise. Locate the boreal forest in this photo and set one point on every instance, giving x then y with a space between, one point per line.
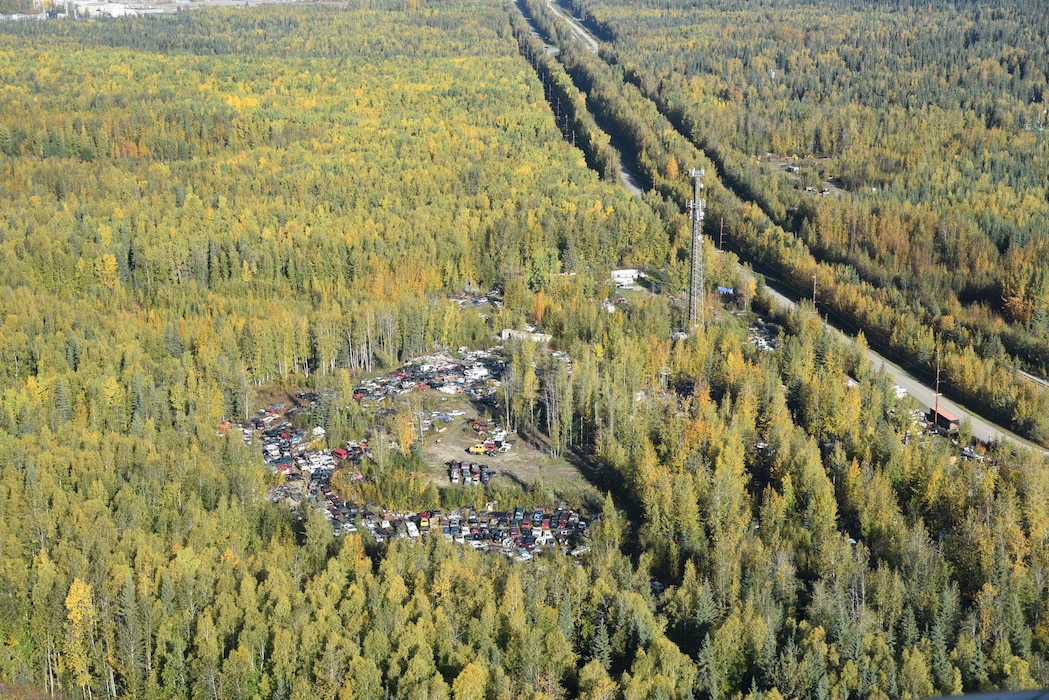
897 151
224 228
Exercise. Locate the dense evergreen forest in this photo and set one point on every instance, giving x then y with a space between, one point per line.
205 208
905 169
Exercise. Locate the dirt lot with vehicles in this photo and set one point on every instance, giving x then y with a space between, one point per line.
521 464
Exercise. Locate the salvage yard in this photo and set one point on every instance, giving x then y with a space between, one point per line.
521 464
460 390
452 400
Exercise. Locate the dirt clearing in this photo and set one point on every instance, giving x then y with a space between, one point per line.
521 465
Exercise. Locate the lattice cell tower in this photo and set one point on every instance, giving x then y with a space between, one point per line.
696 283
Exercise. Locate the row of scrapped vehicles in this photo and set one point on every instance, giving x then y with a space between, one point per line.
467 374
494 443
342 514
490 448
469 473
287 449
518 533
280 441
511 532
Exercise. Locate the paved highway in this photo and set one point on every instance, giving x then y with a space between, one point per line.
578 31
629 177
981 428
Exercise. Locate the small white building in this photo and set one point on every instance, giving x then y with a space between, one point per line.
626 278
508 333
104 9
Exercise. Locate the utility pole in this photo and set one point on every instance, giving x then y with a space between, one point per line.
936 396
721 235
814 290
696 307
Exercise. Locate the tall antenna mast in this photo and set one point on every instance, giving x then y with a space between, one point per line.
936 395
696 308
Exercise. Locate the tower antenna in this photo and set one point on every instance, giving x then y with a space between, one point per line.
696 308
